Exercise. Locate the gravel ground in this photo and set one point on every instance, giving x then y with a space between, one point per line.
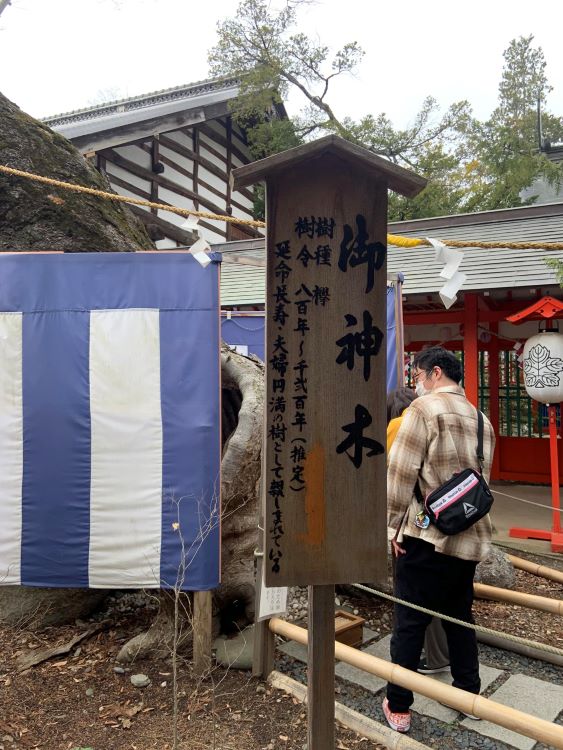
378 615
425 729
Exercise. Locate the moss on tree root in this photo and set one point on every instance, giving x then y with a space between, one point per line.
35 216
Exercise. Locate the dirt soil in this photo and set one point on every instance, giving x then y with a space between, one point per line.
78 701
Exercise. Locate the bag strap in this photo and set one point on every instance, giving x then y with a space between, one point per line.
418 493
480 432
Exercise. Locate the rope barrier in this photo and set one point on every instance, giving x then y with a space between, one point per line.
477 628
392 239
529 502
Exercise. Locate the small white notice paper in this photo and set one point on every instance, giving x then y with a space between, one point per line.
273 601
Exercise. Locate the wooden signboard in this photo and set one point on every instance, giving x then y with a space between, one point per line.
325 467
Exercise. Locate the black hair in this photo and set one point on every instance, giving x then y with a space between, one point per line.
397 402
437 356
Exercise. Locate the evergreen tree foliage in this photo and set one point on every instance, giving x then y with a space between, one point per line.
470 165
506 149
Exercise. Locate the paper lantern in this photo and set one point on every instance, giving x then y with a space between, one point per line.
543 367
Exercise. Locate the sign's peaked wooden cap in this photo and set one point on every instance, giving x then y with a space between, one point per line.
400 180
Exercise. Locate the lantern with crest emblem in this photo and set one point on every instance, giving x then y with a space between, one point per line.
543 367
543 379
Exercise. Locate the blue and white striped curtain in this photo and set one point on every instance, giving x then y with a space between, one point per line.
109 421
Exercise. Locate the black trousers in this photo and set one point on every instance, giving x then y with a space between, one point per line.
442 583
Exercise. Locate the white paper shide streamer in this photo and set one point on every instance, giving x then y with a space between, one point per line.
200 248
451 259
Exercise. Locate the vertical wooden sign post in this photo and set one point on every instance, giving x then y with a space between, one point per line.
324 469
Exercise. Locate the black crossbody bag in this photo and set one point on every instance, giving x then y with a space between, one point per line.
462 500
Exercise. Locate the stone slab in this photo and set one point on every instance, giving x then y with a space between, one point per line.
368 635
422 705
380 648
364 679
358 676
295 650
428 707
236 652
535 697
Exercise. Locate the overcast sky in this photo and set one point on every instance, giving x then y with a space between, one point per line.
59 55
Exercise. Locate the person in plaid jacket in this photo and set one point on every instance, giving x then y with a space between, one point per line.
437 438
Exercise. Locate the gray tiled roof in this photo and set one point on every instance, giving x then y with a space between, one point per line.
499 268
163 96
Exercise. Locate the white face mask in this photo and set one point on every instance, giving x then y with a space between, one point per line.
420 390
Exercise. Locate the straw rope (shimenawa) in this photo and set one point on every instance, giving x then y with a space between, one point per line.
392 239
126 199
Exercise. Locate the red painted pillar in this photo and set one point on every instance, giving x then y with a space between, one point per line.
471 349
494 404
556 525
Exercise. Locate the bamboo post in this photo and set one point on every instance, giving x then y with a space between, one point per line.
554 460
555 606
531 652
460 700
537 570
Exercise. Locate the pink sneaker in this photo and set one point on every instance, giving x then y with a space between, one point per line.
398 722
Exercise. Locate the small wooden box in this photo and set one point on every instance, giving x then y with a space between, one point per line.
348 628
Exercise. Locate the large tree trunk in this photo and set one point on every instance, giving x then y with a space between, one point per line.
242 416
34 216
